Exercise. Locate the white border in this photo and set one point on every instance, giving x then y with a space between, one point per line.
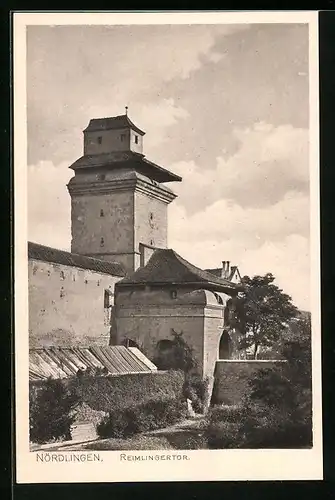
204 465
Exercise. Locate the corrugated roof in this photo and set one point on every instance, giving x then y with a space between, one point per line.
48 254
62 362
112 123
166 267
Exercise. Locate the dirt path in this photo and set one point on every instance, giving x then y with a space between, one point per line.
187 434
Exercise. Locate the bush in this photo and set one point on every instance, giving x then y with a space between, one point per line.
153 414
277 414
127 391
195 389
51 412
226 413
278 411
222 435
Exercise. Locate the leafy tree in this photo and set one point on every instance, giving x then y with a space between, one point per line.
267 311
51 412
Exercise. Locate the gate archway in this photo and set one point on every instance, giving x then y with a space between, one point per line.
225 345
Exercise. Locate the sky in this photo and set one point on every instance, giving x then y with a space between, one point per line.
224 106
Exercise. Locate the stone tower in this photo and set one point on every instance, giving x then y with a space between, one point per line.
119 199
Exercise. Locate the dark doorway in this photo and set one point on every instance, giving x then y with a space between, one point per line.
225 346
130 343
164 354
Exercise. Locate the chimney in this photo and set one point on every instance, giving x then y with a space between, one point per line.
223 271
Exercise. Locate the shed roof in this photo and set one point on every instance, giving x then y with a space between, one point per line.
62 362
48 254
112 123
166 267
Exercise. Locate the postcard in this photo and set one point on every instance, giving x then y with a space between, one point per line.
167 262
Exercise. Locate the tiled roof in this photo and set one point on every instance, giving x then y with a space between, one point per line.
166 267
62 362
112 123
48 254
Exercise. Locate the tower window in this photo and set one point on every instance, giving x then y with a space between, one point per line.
102 242
123 137
152 243
101 213
136 139
99 139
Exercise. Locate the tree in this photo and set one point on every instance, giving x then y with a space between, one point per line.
51 412
267 311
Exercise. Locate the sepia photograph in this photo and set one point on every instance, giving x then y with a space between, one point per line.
169 241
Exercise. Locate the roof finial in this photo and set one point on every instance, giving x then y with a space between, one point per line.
126 110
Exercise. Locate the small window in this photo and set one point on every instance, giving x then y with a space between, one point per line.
152 243
62 275
102 242
99 139
101 177
173 294
151 216
136 139
101 213
123 137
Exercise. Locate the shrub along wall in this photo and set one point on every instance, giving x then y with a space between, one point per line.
231 378
122 391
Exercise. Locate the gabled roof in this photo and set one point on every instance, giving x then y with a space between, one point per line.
218 272
130 159
48 254
62 362
166 267
112 123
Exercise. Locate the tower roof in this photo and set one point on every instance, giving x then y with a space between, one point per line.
113 161
112 123
166 267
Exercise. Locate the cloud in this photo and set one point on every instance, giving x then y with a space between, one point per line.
268 163
75 73
49 207
157 118
288 260
247 227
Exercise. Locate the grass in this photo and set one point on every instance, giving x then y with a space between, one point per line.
135 443
187 435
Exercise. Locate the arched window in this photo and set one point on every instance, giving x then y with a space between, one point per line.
102 242
225 345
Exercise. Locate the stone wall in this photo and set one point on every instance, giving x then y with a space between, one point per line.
150 221
147 316
103 225
213 327
67 305
231 378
